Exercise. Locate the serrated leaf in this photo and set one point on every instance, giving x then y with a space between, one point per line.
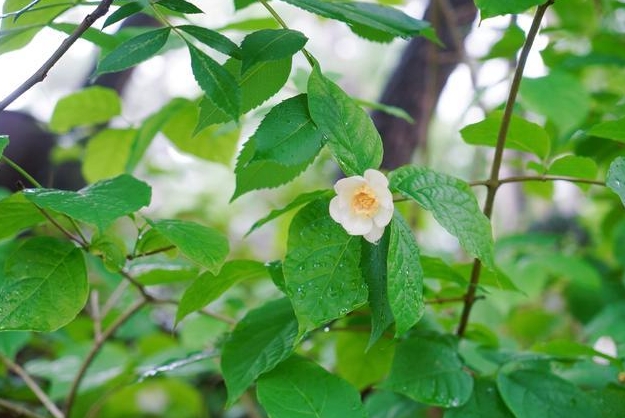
615 179
261 340
429 370
352 137
204 245
180 6
4 141
299 388
217 83
297 202
405 276
490 8
134 51
613 129
44 285
99 204
106 154
531 393
208 286
522 134
89 106
485 401
322 267
287 134
270 45
17 214
213 39
373 16
452 204
123 12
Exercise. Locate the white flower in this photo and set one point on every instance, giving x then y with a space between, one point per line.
363 205
604 345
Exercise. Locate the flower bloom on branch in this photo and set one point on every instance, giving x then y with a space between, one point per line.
363 205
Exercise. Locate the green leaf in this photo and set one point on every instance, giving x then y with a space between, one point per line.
261 340
299 388
352 137
217 83
107 153
398 112
134 51
213 39
611 400
251 24
522 134
509 44
615 179
485 401
533 393
12 342
110 249
4 141
44 285
208 286
287 134
152 271
103 40
360 365
241 4
566 105
123 12
17 214
387 404
571 349
89 106
300 200
181 6
321 268
270 45
372 16
206 246
99 204
490 8
453 205
429 370
613 129
435 268
405 277
574 166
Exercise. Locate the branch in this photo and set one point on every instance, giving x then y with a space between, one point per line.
494 182
542 177
18 409
33 386
42 72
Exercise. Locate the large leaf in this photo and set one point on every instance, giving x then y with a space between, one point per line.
616 177
532 393
490 8
134 51
429 370
352 137
213 39
208 286
206 246
87 107
261 340
43 286
484 402
453 205
299 388
99 204
613 129
17 214
405 276
574 166
107 153
360 364
321 269
270 45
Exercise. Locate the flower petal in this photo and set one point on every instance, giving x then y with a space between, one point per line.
357 225
349 184
336 211
374 177
384 195
383 217
374 235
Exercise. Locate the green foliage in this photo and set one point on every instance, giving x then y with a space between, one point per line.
490 8
134 51
17 214
87 107
213 39
270 45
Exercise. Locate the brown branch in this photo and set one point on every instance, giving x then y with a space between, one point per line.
494 182
18 409
440 301
42 72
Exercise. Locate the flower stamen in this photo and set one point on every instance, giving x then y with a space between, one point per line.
365 202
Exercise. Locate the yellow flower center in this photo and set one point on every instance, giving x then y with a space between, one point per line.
365 202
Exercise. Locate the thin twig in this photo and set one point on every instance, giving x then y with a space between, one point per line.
440 301
114 298
18 409
21 171
493 182
33 386
152 252
42 72
16 13
138 285
204 311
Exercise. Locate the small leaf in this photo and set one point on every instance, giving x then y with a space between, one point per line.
44 285
4 141
429 370
532 393
89 106
134 51
107 153
17 214
208 286
180 6
270 45
615 179
218 84
508 45
453 205
574 166
398 112
485 401
206 246
213 39
242 4
405 277
613 129
123 12
490 8
99 204
103 40
261 340
352 137
299 388
321 268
